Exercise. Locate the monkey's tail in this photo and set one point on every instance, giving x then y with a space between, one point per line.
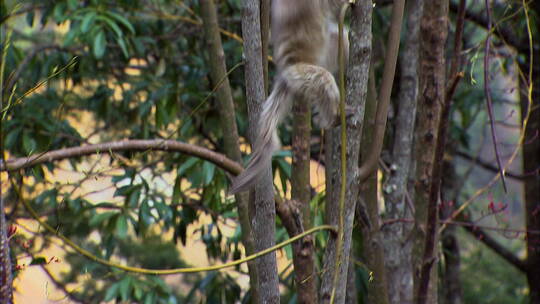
304 81
275 108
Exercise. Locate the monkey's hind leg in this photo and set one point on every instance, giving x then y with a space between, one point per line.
318 85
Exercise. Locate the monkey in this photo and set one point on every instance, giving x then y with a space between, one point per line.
304 35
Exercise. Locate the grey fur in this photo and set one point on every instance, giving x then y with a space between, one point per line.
305 52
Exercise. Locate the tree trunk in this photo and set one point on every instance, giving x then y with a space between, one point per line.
531 165
373 250
352 291
433 91
304 267
218 74
6 279
396 236
357 74
6 284
451 281
262 207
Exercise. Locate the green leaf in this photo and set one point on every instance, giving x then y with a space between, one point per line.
123 46
137 292
12 138
133 197
73 4
176 190
38 261
116 29
145 216
58 12
187 165
87 21
70 37
121 226
117 178
122 20
100 44
150 298
38 173
99 218
125 288
161 114
209 169
163 210
29 144
112 292
124 190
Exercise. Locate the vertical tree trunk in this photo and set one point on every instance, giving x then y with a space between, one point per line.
433 91
451 281
6 279
357 75
531 165
397 243
373 250
6 284
304 267
352 291
265 40
218 73
262 207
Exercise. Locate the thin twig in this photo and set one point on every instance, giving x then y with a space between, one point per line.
489 101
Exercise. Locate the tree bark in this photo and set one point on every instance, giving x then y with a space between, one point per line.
262 208
144 145
265 41
373 250
451 281
357 76
6 284
396 243
531 164
6 279
352 291
433 91
231 144
304 267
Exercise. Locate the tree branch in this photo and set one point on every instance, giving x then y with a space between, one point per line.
433 111
385 91
334 278
262 205
504 33
488 166
218 73
490 242
126 145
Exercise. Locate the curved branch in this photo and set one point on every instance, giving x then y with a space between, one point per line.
370 164
126 145
489 102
